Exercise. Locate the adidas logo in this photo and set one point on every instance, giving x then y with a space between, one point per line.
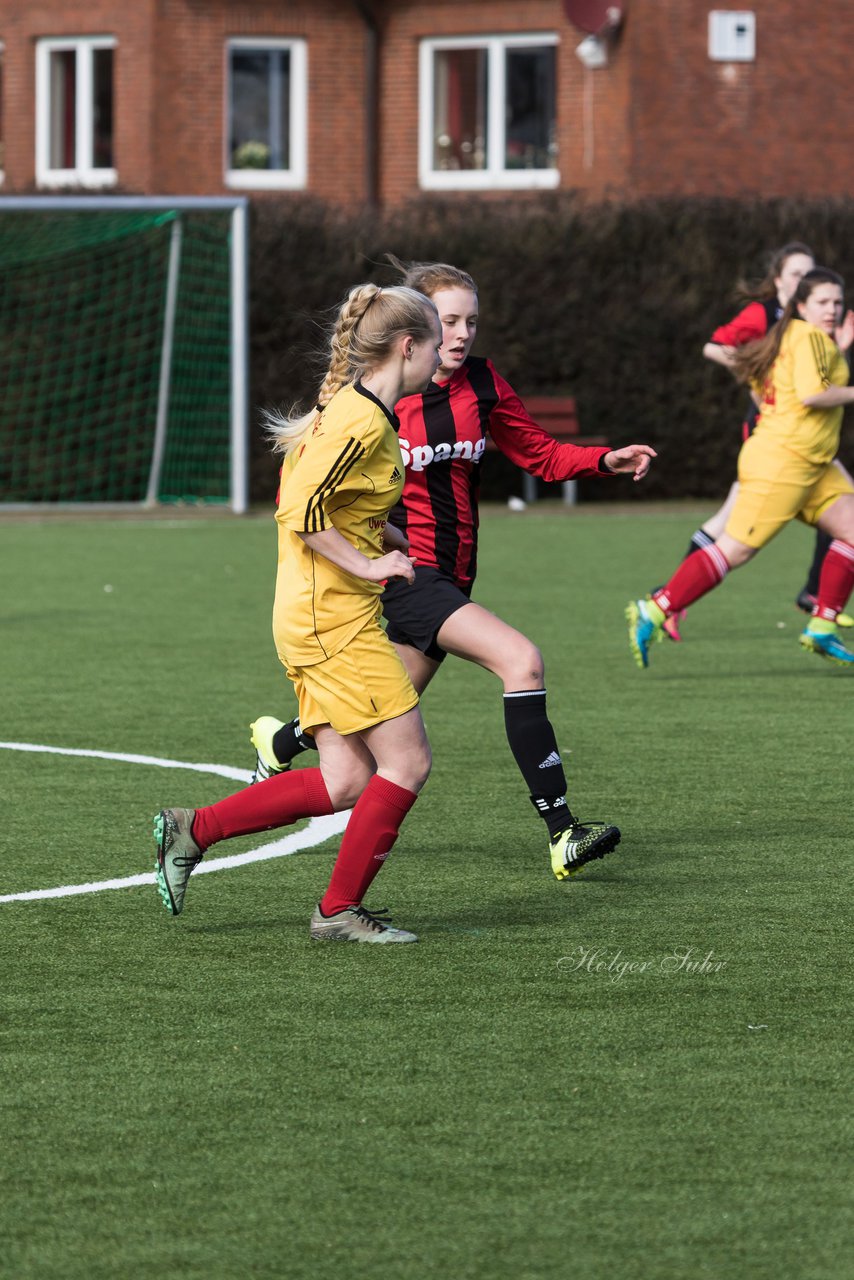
394 477
554 758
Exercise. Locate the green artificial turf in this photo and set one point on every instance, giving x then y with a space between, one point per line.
639 1074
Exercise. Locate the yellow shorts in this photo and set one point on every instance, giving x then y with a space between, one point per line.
362 685
776 486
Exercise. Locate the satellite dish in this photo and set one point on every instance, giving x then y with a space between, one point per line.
594 16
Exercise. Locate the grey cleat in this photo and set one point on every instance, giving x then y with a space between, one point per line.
355 924
177 855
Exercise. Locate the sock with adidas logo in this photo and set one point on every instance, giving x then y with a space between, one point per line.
290 740
534 746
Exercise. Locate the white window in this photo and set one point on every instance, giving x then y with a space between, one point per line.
74 112
267 112
487 112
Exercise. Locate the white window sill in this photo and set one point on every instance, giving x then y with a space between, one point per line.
483 180
96 178
265 179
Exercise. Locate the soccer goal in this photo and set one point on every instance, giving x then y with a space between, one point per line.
123 350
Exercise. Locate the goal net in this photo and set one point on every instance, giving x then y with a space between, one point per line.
122 351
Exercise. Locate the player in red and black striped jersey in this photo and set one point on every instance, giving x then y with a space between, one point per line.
786 268
442 440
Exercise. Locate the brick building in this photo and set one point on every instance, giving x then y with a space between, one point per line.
378 100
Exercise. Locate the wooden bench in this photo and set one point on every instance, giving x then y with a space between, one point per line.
559 416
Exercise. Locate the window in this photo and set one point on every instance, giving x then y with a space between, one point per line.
487 112
267 113
74 112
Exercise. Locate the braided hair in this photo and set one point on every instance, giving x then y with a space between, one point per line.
368 324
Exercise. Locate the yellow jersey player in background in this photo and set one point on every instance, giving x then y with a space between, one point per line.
786 470
342 473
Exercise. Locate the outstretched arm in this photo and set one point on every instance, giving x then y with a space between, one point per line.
633 460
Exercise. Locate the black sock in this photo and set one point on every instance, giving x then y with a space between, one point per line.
822 545
534 746
555 812
699 539
289 741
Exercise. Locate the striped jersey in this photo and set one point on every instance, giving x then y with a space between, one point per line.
809 362
345 475
751 323
442 440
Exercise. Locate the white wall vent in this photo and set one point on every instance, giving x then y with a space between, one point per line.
732 35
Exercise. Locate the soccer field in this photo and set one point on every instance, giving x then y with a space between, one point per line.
640 1074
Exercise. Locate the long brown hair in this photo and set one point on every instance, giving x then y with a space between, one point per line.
766 288
754 361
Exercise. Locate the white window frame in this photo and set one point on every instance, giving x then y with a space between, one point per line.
84 174
296 177
494 176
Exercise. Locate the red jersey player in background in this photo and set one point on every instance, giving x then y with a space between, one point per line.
442 440
764 301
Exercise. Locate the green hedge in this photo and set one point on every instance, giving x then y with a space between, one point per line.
611 303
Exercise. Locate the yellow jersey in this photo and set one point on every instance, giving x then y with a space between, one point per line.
808 362
346 474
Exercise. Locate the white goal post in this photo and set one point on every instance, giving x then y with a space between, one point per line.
124 342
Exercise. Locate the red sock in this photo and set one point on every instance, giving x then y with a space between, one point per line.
276 802
370 834
696 575
836 580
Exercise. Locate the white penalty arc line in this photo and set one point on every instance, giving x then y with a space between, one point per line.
317 831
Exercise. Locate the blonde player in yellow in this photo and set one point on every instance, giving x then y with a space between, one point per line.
342 474
786 469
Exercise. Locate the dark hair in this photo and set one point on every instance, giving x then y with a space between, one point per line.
766 288
753 361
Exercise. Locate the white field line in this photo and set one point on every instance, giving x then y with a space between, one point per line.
318 829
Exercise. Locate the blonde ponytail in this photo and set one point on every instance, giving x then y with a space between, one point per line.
369 322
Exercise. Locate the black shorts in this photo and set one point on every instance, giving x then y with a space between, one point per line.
415 613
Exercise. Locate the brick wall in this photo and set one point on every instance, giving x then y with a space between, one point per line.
661 118
782 125
22 25
169 123
592 107
189 111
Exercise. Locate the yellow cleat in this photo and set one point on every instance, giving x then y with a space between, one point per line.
581 843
